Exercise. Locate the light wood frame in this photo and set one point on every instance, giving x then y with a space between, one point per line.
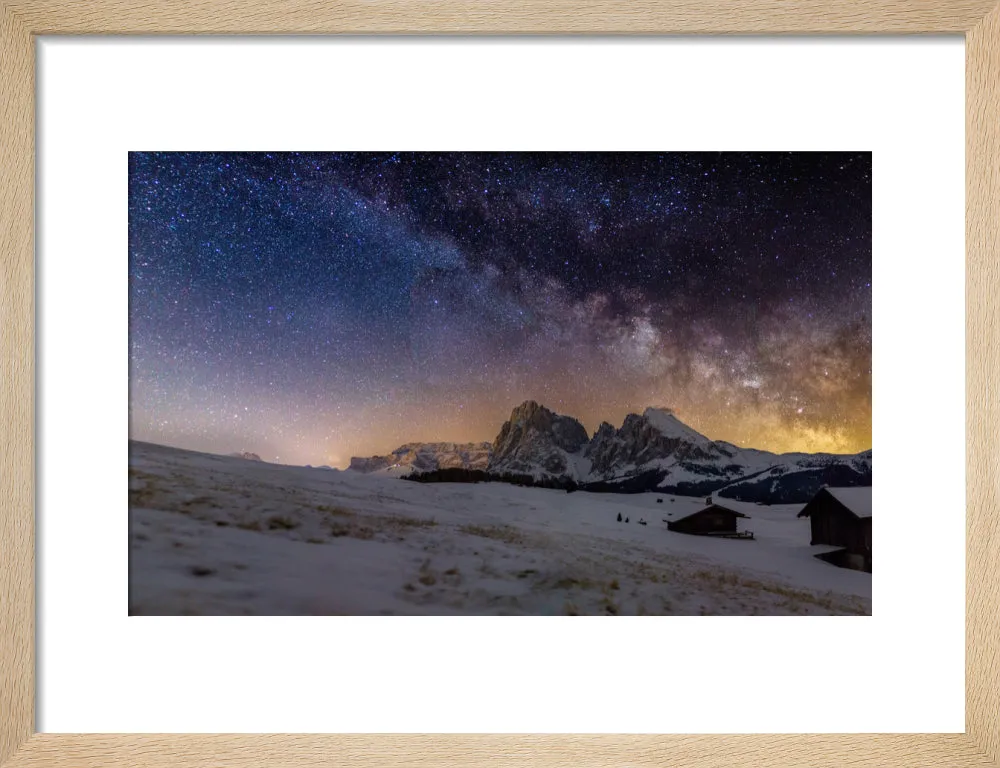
22 20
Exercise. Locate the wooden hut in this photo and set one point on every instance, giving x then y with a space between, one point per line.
842 518
710 520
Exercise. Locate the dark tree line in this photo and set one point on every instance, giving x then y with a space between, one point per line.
461 475
793 487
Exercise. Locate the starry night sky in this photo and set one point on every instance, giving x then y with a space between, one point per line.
311 307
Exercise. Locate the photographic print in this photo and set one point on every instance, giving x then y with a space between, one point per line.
580 383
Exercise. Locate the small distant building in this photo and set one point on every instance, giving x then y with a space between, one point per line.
710 520
842 518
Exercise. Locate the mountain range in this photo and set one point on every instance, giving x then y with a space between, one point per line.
246 455
425 457
654 451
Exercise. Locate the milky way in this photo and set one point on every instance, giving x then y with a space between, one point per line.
311 307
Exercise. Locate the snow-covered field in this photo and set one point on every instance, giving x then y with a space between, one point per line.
220 535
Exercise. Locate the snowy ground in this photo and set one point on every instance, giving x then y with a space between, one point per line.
219 535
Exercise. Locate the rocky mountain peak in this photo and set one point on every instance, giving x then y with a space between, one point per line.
604 431
530 412
535 439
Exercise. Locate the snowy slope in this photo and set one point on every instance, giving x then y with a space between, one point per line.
667 424
218 535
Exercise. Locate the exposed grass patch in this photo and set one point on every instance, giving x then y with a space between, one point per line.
281 523
336 511
250 525
613 584
571 582
794 599
452 577
353 530
505 533
201 501
140 497
339 529
399 522
653 574
427 577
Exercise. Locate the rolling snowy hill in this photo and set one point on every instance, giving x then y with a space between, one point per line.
220 535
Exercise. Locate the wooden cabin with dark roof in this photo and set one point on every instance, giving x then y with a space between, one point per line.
713 519
842 518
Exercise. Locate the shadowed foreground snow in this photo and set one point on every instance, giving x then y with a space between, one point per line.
220 535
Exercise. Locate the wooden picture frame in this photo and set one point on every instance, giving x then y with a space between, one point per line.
22 20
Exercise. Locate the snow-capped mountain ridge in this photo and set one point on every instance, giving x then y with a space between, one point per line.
426 457
664 420
652 451
657 451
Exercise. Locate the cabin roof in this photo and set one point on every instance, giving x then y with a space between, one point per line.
858 500
708 507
